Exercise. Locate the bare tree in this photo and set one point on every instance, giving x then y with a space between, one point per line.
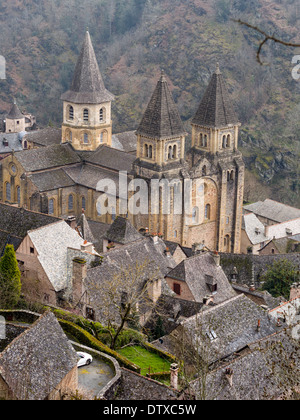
125 294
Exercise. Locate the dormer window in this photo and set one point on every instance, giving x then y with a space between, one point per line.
211 283
211 334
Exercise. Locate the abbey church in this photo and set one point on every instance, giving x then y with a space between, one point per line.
61 179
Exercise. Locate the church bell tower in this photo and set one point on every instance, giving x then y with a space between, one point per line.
87 105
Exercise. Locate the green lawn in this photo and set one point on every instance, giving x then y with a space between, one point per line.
145 360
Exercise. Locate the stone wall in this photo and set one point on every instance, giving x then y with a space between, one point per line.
134 386
251 267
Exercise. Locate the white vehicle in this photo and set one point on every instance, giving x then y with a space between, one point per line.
84 359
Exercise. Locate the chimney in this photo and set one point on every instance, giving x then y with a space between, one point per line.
258 325
79 274
71 220
208 299
229 376
167 252
174 375
154 290
87 247
295 291
216 258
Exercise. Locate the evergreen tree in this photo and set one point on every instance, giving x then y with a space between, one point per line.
279 277
10 278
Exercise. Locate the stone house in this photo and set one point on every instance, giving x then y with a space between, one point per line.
45 259
39 364
201 279
219 332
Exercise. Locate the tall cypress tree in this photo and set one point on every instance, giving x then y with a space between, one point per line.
10 278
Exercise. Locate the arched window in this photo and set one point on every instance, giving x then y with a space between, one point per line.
228 141
174 151
25 145
86 115
227 243
204 171
146 150
207 212
8 191
224 142
170 153
150 152
71 202
71 113
205 141
101 137
175 234
195 215
102 115
83 203
19 195
51 206
85 138
201 140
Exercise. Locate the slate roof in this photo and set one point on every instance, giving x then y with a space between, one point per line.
234 323
126 141
269 370
44 137
15 222
14 142
51 243
161 119
51 180
87 86
122 232
194 271
89 176
47 157
128 257
110 158
254 229
215 109
273 210
37 360
15 113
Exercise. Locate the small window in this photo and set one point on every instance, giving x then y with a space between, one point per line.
19 195
71 202
83 203
207 212
85 138
31 250
8 191
211 334
195 215
51 206
177 288
101 114
71 113
86 115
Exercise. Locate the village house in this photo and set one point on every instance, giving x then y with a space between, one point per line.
39 364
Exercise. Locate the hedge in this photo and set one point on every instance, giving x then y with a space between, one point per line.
83 337
161 353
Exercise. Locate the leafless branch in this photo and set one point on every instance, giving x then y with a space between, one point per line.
267 38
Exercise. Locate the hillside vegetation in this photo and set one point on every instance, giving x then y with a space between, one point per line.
135 39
